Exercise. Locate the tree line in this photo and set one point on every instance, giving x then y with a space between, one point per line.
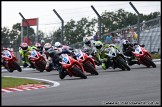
74 31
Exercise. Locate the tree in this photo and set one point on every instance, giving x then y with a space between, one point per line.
12 38
5 39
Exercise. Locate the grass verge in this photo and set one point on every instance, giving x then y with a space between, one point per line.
156 56
10 82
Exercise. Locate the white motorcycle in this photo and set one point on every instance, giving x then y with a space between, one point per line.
116 58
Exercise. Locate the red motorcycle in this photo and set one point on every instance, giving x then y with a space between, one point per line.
87 62
143 56
10 61
72 66
37 60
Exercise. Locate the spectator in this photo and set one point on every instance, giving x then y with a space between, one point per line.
134 35
95 37
117 39
108 38
129 36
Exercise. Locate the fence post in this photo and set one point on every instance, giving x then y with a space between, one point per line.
99 18
62 38
138 22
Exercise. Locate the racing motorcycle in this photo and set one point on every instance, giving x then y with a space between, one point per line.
37 60
87 62
116 58
92 56
143 56
71 66
10 61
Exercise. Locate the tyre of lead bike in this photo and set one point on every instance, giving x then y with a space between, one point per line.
91 68
149 62
42 65
79 72
17 66
10 70
123 64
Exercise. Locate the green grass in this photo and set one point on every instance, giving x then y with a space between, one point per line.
156 56
9 82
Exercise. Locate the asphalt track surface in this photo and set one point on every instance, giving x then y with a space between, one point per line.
139 86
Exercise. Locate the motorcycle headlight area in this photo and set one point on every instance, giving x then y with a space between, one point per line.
107 50
110 52
64 59
33 54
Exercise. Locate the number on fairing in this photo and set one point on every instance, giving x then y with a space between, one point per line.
33 53
65 60
137 50
7 54
78 55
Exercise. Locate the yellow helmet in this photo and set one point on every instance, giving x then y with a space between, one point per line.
98 44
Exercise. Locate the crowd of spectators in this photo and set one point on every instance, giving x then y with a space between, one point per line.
117 38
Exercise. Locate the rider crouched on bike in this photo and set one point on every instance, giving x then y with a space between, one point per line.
39 47
49 64
88 46
2 55
127 51
100 54
24 52
58 50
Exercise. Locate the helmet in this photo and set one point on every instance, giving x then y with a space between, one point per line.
47 46
125 42
24 46
98 44
38 46
86 40
58 45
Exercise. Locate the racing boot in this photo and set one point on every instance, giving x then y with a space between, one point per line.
25 65
103 66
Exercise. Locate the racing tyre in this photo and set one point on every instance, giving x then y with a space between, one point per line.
42 66
91 69
150 62
17 66
80 73
123 64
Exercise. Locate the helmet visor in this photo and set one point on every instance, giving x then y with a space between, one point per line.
99 47
24 48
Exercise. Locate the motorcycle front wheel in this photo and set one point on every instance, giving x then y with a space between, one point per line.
17 66
41 66
123 64
149 62
79 73
91 68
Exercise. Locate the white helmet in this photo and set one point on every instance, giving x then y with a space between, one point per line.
58 45
125 42
86 40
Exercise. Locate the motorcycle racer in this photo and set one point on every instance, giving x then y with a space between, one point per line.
127 51
24 52
101 56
